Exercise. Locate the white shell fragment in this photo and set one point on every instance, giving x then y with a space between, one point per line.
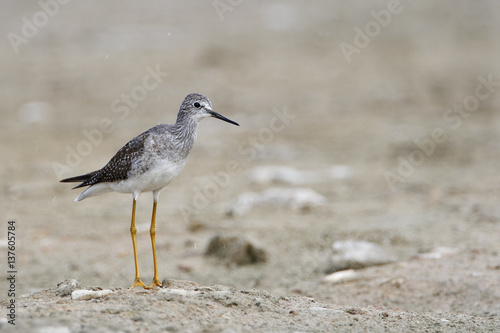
341 276
294 198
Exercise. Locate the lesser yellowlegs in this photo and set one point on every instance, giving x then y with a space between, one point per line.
148 163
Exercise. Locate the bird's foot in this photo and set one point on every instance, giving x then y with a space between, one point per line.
137 283
156 282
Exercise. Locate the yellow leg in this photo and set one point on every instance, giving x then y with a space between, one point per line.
152 232
133 232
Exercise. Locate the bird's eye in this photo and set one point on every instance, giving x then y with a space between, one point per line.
196 105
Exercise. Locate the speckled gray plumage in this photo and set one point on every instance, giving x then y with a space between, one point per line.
170 142
160 144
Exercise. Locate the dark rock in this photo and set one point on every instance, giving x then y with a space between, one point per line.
235 249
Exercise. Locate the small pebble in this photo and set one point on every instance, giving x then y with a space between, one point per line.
66 287
83 294
437 253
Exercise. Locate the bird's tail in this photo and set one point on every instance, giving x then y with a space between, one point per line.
82 178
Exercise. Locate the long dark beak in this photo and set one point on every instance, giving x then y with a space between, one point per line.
221 117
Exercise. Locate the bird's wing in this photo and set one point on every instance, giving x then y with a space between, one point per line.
119 166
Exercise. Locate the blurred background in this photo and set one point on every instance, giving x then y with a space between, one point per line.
369 122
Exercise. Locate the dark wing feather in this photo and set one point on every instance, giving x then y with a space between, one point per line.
117 168
82 178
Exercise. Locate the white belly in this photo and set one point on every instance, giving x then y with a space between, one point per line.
157 177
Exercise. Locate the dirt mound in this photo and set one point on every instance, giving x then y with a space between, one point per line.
185 306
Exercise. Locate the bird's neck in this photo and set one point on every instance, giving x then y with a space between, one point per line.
186 124
185 130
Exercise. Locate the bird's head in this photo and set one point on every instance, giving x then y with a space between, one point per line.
197 107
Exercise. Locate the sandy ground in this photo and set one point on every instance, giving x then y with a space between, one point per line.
398 134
